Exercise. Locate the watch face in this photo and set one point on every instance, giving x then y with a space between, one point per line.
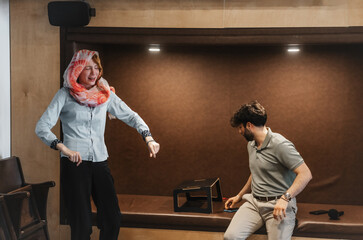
288 196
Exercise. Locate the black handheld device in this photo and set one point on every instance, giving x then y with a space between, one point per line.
318 212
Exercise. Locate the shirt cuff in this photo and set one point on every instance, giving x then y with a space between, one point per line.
145 133
53 145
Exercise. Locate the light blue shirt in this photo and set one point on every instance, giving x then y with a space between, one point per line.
84 127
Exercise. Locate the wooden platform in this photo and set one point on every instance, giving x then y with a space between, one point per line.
143 211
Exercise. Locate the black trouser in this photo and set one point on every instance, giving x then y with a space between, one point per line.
78 184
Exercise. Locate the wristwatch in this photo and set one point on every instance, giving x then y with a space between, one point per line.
287 196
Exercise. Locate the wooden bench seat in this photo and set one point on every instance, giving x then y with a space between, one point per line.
350 225
157 212
143 211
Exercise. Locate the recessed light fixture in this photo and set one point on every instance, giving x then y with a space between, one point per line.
154 48
293 49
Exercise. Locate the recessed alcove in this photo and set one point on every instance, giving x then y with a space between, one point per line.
188 91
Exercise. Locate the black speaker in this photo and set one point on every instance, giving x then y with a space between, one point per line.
70 13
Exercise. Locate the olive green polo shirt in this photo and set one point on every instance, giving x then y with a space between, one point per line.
272 165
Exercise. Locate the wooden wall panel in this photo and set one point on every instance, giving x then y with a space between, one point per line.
145 13
286 13
355 13
34 81
228 13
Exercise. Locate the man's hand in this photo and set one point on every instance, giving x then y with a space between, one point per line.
232 201
280 209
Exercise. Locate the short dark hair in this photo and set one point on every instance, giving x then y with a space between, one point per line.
252 112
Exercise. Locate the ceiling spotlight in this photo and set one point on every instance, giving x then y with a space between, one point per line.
154 48
293 49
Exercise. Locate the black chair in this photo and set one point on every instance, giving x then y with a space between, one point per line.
23 206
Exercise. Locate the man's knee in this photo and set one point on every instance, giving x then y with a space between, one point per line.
230 235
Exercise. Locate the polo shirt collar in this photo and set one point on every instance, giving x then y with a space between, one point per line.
265 142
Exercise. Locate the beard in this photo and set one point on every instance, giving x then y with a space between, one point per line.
248 135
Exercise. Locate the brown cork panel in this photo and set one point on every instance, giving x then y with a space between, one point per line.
188 94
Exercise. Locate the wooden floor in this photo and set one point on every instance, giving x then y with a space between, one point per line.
158 234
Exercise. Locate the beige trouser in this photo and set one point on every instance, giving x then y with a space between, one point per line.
253 214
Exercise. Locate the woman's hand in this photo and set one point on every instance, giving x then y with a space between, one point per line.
72 155
153 146
232 201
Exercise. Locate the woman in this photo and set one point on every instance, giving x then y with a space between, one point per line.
82 105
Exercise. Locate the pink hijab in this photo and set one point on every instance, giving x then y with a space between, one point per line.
93 97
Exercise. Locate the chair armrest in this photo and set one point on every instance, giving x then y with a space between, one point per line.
40 194
15 195
11 204
47 184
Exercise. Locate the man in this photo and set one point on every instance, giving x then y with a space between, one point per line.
278 175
